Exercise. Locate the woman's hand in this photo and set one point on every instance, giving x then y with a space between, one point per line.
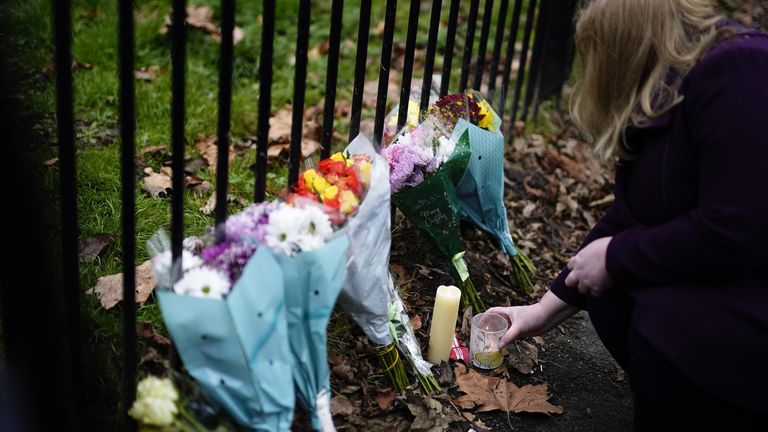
588 273
535 319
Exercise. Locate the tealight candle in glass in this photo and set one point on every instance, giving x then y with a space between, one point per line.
487 331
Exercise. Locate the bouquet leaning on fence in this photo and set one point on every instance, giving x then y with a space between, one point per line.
367 293
250 309
481 189
424 168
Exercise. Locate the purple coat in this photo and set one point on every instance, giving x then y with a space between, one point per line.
690 226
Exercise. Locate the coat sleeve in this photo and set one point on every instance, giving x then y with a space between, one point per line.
726 106
607 226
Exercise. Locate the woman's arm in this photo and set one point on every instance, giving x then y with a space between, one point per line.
535 319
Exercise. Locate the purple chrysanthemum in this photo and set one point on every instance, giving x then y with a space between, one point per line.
408 162
229 257
249 224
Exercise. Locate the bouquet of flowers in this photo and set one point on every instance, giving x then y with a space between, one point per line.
367 293
425 168
481 189
250 310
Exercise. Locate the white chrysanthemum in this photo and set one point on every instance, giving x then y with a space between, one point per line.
285 228
203 282
445 149
161 265
315 230
155 402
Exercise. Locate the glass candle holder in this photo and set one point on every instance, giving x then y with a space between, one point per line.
487 331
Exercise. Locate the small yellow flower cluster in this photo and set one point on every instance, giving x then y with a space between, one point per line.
155 402
486 115
319 185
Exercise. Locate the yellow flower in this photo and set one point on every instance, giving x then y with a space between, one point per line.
486 116
329 192
348 202
320 185
309 179
413 114
365 173
337 157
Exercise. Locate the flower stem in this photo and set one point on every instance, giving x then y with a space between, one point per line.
390 360
471 297
524 269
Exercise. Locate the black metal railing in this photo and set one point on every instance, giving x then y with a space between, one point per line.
507 28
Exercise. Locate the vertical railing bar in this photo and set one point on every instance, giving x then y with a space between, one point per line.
434 26
484 31
498 41
178 42
539 46
62 26
226 53
384 68
516 10
468 44
410 49
529 18
360 64
299 87
265 98
331 78
450 41
128 201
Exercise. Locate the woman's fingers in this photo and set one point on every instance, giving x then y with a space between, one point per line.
509 336
503 311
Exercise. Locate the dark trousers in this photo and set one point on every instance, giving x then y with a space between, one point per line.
664 398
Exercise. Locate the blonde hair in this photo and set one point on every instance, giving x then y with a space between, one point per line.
632 57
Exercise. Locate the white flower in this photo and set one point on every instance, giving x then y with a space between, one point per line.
445 148
316 229
161 265
285 228
203 282
155 402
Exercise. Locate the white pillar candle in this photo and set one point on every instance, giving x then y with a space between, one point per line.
444 316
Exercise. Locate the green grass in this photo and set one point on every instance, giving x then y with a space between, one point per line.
97 120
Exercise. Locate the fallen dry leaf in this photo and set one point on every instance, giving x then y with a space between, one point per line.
523 356
201 17
308 147
416 322
555 159
157 183
379 29
431 415
151 149
237 35
210 205
385 398
109 289
340 405
488 393
146 330
207 148
318 50
94 245
146 73
280 126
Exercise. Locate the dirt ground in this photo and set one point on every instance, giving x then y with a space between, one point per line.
583 378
